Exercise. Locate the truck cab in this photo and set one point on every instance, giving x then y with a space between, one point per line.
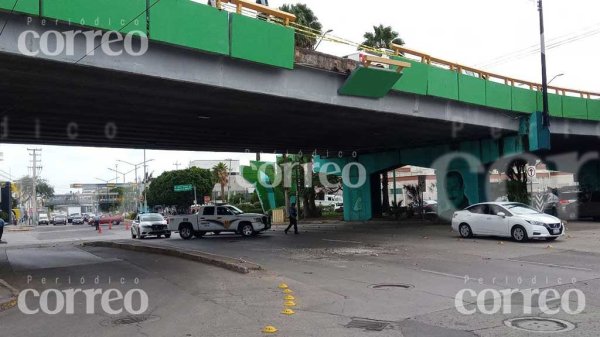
218 219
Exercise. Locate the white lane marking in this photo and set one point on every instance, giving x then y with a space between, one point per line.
341 241
551 265
442 274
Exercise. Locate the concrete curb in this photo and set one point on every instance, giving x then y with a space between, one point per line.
10 302
19 229
237 265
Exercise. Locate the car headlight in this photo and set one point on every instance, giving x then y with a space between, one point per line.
258 219
536 223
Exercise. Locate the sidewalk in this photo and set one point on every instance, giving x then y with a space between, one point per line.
8 296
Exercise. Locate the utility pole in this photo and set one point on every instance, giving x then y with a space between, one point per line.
229 183
144 185
176 164
545 113
36 164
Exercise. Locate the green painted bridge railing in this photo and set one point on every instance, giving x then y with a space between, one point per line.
200 27
470 85
180 22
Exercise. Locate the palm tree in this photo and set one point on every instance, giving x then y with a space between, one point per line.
382 37
221 174
304 17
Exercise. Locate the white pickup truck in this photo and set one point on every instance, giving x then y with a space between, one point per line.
330 200
218 219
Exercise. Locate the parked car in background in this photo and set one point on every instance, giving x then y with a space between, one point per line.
59 220
77 220
88 216
43 219
329 200
580 205
111 219
71 216
507 219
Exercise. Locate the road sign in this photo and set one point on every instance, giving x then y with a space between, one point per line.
183 188
422 182
531 171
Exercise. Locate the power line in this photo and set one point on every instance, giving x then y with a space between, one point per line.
551 44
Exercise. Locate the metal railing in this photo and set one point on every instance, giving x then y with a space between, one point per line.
240 5
428 59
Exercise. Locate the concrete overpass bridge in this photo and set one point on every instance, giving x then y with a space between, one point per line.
214 80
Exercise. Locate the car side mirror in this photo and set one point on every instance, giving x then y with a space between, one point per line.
501 214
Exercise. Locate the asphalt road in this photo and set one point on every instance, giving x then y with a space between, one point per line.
375 279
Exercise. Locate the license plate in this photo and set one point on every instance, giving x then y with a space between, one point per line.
555 231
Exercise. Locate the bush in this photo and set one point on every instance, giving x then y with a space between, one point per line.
250 208
133 215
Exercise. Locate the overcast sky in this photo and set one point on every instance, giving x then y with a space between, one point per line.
471 32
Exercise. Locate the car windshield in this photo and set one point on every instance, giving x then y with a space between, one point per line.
521 209
235 210
151 217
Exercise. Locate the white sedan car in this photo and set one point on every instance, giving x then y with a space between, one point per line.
147 224
507 219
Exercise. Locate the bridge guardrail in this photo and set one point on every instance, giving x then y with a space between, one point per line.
428 59
286 17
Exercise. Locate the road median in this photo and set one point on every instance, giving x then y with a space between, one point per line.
225 262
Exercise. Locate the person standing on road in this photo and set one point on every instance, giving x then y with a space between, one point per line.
293 214
1 228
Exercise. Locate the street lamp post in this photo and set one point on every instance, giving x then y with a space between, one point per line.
119 172
321 38
136 176
106 186
545 113
555 77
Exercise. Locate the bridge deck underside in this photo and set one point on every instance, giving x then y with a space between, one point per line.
151 112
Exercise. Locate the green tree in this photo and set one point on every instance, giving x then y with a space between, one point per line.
382 37
305 17
516 186
25 189
302 166
221 175
161 190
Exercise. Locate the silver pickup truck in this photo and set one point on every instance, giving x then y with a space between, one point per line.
218 219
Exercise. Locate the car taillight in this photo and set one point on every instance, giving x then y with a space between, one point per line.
564 202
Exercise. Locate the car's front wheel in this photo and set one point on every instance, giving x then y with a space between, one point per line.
133 236
186 232
247 230
519 234
465 231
